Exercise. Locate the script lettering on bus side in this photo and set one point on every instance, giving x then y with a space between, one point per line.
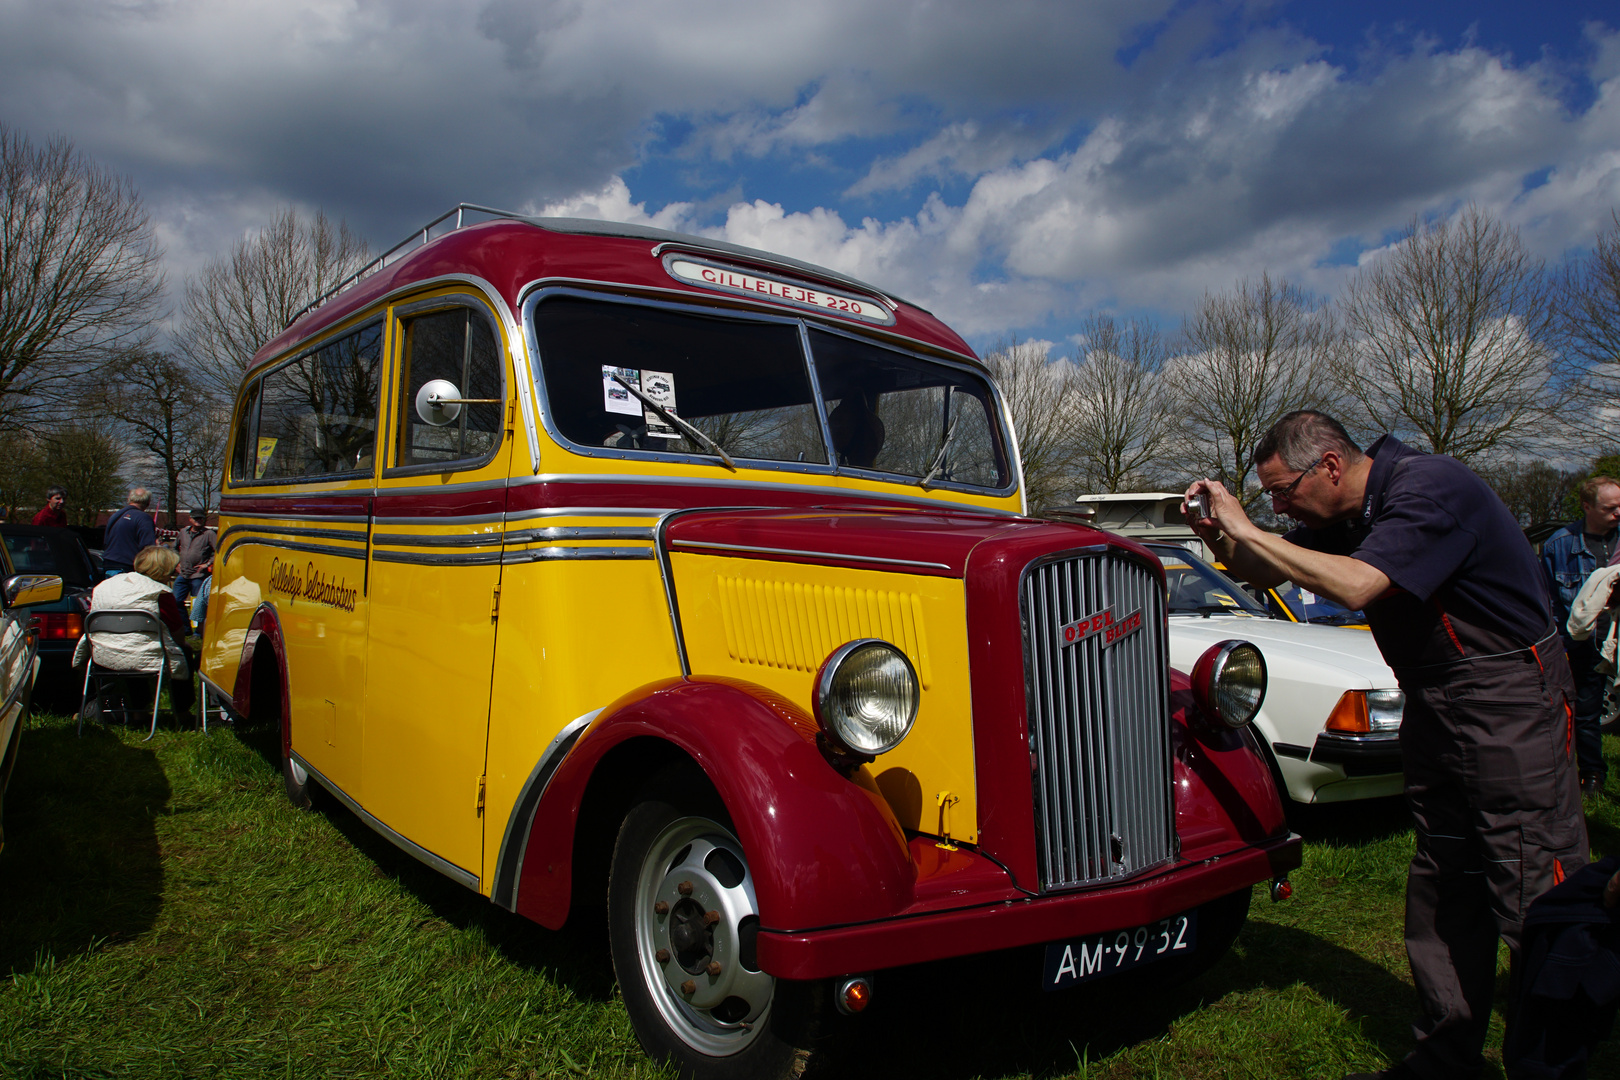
311 585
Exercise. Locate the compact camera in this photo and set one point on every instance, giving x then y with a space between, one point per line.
1198 506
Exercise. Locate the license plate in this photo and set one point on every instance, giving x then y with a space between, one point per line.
1084 959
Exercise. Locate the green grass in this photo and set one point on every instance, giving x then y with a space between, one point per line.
165 912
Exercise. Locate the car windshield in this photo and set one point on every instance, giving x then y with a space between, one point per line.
50 552
1197 588
1307 606
614 375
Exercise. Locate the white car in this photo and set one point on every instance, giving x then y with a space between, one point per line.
1331 718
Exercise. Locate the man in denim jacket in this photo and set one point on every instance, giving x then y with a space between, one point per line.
1568 556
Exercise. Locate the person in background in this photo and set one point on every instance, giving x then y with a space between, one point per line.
148 586
1568 558
196 546
52 513
128 531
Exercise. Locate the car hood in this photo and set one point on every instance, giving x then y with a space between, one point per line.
1288 645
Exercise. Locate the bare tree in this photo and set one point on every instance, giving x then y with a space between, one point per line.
243 299
1533 491
1254 354
79 273
1037 392
1119 409
23 478
210 428
155 399
1452 332
1589 309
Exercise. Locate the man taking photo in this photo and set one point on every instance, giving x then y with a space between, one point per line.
1457 604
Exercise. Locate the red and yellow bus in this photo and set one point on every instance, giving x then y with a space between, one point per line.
579 558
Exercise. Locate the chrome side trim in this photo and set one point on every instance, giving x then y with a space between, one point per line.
414 850
667 573
557 553
580 532
449 519
588 511
358 535
292 545
437 540
811 554
448 558
830 494
357 519
509 860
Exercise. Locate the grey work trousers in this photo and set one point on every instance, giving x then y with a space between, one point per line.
1491 779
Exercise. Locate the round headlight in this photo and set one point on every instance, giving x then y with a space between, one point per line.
1230 682
866 696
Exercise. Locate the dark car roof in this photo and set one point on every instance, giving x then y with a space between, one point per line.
53 551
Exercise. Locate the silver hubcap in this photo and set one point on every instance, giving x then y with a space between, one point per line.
693 897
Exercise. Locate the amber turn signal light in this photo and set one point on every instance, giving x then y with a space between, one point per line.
1350 714
854 994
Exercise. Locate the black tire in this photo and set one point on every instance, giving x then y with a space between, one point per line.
739 1023
265 707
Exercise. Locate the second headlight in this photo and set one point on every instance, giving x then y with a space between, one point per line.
866 696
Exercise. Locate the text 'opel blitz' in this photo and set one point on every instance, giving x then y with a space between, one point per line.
582 559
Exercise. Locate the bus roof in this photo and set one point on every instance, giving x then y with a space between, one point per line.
509 254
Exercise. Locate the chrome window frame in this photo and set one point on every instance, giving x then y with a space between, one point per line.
377 319
539 294
479 304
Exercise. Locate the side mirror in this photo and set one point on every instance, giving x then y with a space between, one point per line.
25 590
438 402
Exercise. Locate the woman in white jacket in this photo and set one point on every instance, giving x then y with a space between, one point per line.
1593 611
146 588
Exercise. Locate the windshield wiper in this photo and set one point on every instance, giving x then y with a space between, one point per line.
938 465
686 429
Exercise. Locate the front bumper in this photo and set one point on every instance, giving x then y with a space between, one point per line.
1026 920
1359 755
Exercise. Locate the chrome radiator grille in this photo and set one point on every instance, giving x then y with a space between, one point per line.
1098 692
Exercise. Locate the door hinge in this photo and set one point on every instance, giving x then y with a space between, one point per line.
511 416
481 796
495 605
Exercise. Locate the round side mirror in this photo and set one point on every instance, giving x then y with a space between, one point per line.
438 402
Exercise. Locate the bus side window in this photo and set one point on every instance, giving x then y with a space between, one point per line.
318 414
244 455
457 345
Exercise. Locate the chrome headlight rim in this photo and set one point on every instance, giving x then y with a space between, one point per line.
1213 665
826 688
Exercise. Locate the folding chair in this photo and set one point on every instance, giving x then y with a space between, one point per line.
125 621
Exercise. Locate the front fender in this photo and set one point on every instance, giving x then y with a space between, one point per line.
1225 794
823 849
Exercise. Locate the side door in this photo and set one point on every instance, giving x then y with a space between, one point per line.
434 576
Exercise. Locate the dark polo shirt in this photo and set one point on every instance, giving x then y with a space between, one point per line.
1465 580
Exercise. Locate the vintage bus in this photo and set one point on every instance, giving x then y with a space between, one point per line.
583 560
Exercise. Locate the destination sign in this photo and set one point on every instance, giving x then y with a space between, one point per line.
728 279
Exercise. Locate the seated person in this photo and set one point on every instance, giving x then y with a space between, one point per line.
149 587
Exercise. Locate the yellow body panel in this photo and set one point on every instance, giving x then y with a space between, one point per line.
774 623
574 635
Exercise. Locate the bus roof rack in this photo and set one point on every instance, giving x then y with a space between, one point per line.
585 226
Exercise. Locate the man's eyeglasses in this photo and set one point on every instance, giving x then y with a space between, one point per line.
1286 491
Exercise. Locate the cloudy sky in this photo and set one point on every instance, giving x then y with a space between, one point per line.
1009 165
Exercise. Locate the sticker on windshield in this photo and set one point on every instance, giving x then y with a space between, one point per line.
659 386
615 398
1103 624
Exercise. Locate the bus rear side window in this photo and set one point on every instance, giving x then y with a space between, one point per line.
318 414
244 457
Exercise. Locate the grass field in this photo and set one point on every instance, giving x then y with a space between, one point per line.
164 912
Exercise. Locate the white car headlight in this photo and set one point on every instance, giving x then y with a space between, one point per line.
866 696
1367 712
1384 709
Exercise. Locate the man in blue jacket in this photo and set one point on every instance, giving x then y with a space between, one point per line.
1567 558
127 532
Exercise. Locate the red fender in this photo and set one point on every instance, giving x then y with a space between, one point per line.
1225 795
823 849
267 626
